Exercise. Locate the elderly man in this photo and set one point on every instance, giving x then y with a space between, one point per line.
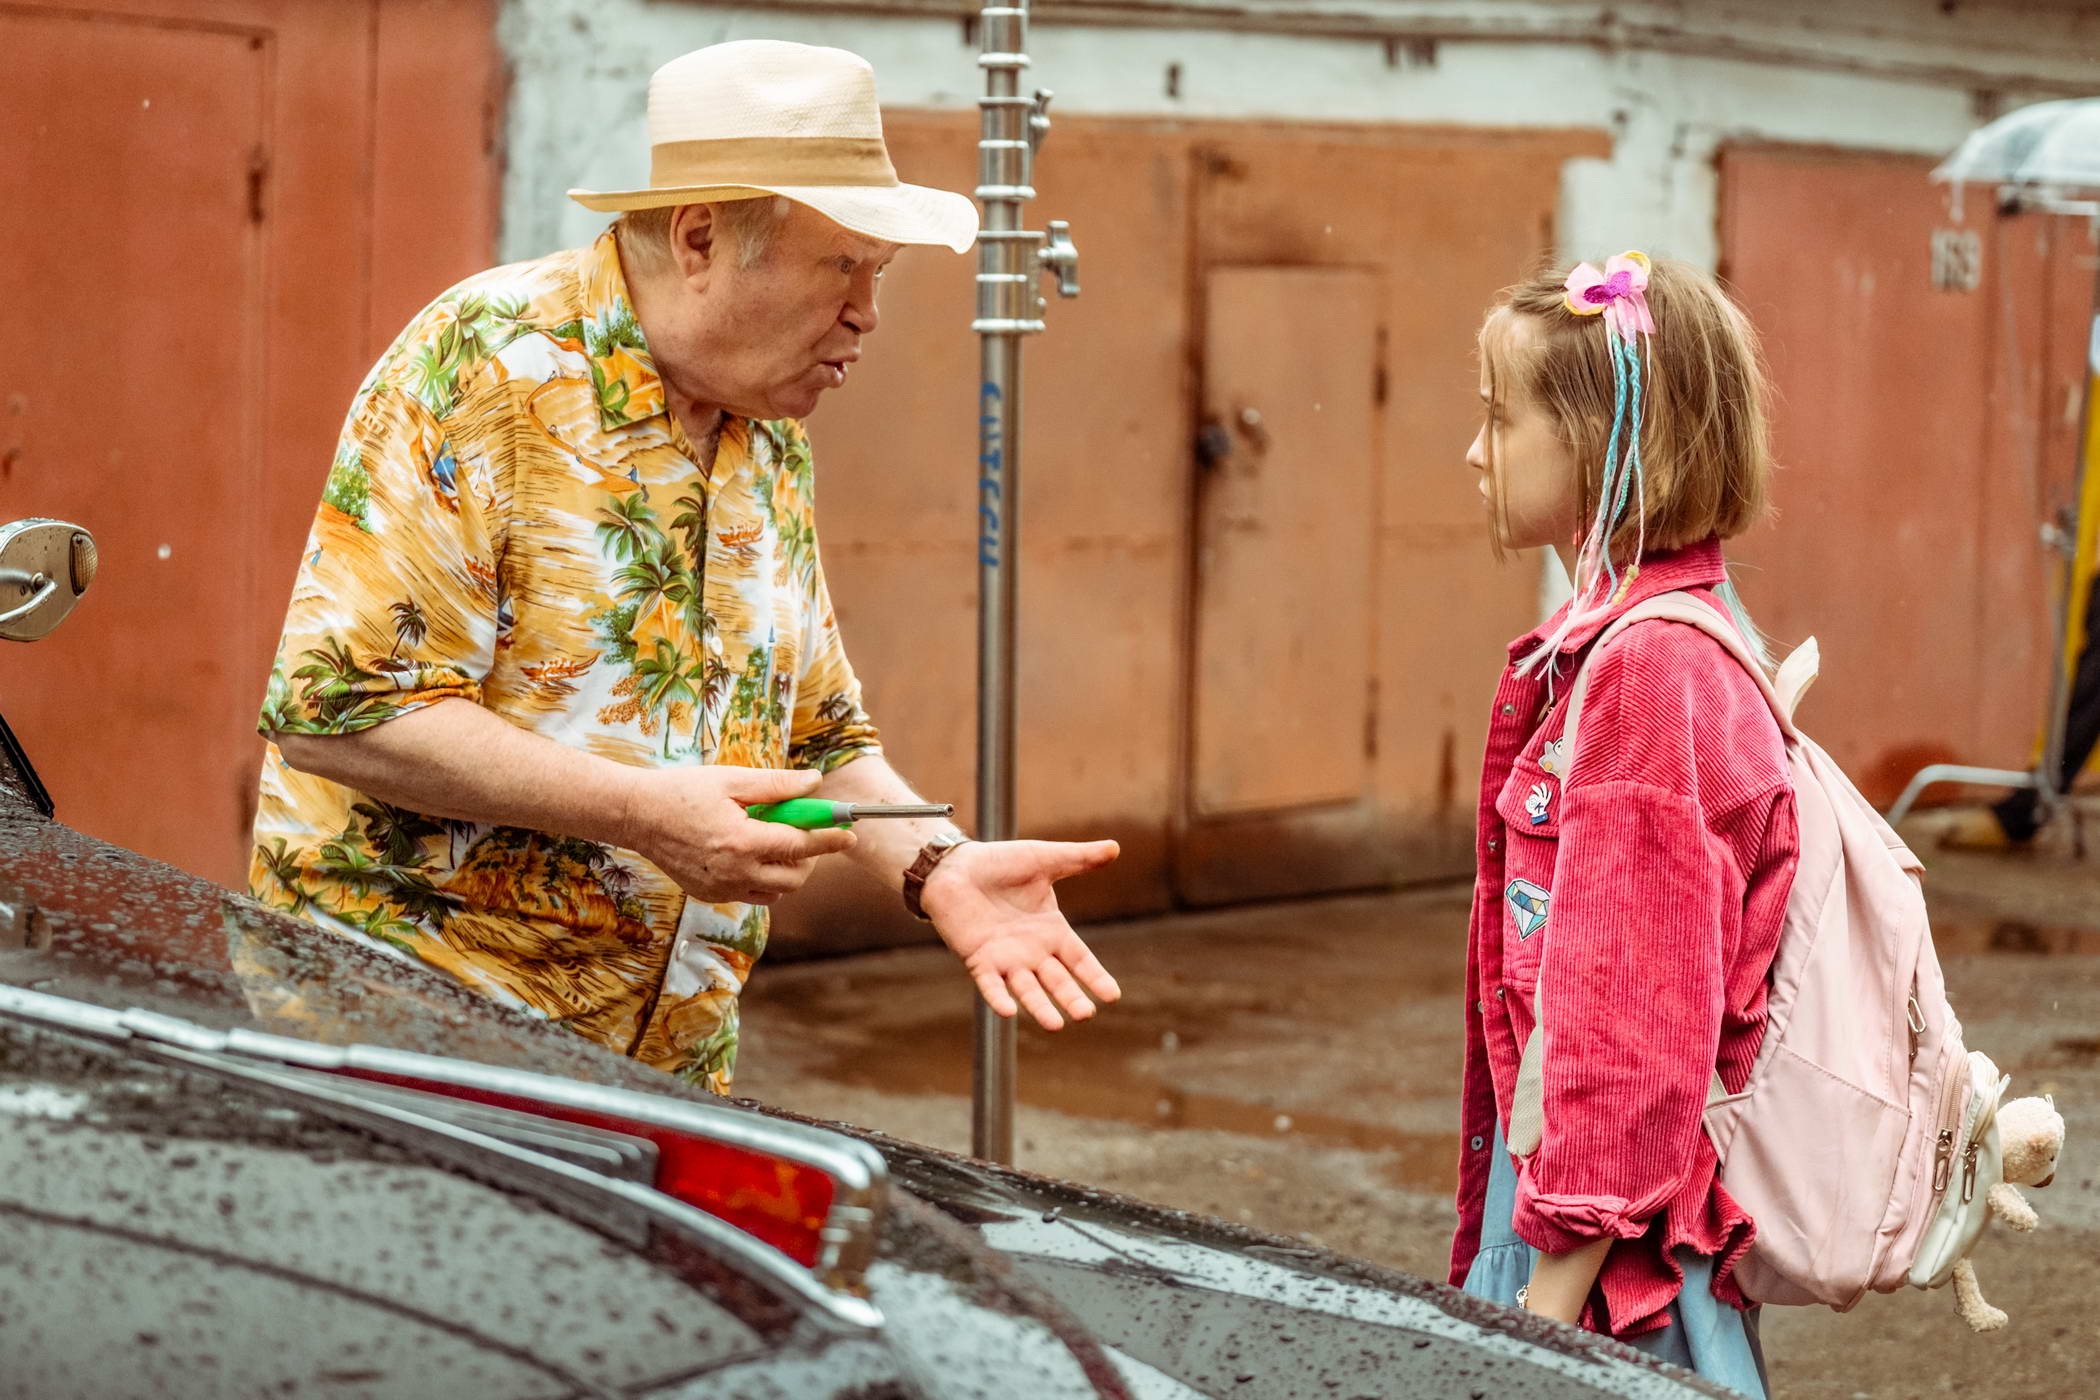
562 620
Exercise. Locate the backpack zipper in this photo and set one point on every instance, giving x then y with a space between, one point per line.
1986 1115
1954 1115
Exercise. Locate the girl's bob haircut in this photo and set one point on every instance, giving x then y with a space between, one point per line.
1706 445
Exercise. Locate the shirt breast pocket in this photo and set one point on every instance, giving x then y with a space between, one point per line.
1529 807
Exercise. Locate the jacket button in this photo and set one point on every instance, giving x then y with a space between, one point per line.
1478 1143
1498 993
1494 843
1509 709
1481 1007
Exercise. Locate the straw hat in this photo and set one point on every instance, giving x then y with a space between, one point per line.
759 117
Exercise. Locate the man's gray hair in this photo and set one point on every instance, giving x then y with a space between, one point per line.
749 224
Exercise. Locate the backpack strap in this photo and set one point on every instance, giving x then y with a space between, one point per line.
1527 1111
1782 695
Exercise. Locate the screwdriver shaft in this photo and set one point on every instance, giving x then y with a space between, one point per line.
862 811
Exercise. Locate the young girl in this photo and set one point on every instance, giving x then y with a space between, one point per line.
1628 905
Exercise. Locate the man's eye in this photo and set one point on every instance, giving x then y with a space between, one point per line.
846 265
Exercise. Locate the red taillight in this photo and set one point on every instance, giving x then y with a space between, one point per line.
783 1202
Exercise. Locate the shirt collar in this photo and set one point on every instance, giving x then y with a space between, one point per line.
1694 566
622 370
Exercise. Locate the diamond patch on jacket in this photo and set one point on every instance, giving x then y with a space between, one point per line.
1528 902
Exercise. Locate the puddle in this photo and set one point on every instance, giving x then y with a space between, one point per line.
1088 1072
1170 1052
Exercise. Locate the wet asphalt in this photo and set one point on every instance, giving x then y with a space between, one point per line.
1295 1066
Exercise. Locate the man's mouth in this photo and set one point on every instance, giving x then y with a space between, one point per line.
838 368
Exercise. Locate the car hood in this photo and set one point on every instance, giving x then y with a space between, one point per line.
84 919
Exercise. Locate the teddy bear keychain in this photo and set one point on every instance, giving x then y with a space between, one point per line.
2032 1134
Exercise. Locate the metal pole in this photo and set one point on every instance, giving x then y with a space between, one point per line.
1010 258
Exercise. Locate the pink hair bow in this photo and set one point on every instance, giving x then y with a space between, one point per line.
1619 293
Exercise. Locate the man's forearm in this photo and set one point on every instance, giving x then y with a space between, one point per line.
885 847
455 759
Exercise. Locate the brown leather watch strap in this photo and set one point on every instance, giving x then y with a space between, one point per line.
930 855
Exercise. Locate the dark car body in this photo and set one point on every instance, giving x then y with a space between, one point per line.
174 1221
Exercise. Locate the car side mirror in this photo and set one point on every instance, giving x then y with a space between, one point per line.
45 565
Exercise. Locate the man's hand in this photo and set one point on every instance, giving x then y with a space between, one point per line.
691 824
992 903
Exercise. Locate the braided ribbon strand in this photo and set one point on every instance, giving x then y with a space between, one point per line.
1618 295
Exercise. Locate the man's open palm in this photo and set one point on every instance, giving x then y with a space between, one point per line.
992 902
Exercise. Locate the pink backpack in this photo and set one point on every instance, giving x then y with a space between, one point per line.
1865 1139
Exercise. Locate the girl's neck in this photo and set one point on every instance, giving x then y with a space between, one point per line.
1567 553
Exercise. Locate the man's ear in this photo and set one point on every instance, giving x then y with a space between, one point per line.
695 241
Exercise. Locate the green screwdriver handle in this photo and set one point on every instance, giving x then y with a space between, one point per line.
807 813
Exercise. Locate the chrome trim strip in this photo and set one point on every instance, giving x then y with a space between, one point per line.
850 1228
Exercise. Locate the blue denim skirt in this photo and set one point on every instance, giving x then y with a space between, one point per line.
1705 1334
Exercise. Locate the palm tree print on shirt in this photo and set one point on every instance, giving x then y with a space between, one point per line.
513 518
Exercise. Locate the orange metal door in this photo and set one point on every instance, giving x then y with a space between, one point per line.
1424 225
213 213
1281 703
1920 364
137 413
1341 662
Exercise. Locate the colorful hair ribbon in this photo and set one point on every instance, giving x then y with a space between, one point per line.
1619 295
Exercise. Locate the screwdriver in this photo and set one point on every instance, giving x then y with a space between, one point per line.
816 814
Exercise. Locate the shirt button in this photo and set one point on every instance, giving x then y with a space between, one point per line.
1478 1143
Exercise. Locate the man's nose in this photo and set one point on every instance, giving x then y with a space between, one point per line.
860 312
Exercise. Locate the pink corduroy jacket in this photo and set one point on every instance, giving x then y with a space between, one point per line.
1648 894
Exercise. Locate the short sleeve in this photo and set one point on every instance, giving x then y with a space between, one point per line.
398 603
830 726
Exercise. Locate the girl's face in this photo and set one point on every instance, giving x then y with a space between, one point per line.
1529 481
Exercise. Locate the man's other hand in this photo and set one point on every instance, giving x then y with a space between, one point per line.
691 823
992 903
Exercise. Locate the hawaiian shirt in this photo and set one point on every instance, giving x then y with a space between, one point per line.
514 518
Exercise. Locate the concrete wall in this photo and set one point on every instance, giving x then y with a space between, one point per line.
1893 75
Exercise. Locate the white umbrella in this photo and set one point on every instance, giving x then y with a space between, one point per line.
2051 146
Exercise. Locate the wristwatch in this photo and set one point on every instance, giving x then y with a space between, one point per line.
930 855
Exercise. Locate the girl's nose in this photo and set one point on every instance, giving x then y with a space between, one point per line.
1476 455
